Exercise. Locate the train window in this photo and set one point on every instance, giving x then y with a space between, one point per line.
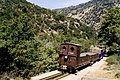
71 49
64 48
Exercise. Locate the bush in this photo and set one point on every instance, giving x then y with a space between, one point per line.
114 59
60 17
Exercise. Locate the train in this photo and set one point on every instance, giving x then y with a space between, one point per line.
71 58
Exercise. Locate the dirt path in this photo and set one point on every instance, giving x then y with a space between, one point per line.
95 72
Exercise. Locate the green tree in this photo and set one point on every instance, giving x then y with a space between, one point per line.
16 35
109 31
60 17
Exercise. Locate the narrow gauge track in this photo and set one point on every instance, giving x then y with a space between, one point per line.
56 76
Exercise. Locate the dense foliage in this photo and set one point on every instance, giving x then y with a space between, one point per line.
30 37
110 30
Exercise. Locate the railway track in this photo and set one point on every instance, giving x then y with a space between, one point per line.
55 76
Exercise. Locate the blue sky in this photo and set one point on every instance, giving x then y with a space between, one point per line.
53 4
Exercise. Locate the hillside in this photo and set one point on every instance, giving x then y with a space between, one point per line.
91 12
30 37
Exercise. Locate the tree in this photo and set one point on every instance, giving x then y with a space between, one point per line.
60 17
16 35
109 31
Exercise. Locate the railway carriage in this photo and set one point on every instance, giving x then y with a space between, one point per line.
70 57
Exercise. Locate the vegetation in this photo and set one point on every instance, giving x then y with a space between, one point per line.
30 37
115 60
109 35
109 31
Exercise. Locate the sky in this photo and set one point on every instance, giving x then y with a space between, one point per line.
53 4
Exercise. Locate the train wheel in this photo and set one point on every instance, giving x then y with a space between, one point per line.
59 69
91 63
69 70
72 70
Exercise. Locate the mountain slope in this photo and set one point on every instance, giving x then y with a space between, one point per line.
30 37
91 12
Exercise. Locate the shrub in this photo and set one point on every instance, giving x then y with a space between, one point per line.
114 59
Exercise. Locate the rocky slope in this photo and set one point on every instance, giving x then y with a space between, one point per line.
91 12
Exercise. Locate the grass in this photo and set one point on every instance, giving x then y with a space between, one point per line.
115 60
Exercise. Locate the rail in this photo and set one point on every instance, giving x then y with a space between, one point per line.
50 76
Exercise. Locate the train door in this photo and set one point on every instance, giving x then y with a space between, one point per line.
63 56
72 52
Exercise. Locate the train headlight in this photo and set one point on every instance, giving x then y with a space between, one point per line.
66 58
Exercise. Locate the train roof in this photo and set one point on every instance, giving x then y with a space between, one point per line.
91 53
83 54
78 45
87 53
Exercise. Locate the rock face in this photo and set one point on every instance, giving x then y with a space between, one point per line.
91 12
